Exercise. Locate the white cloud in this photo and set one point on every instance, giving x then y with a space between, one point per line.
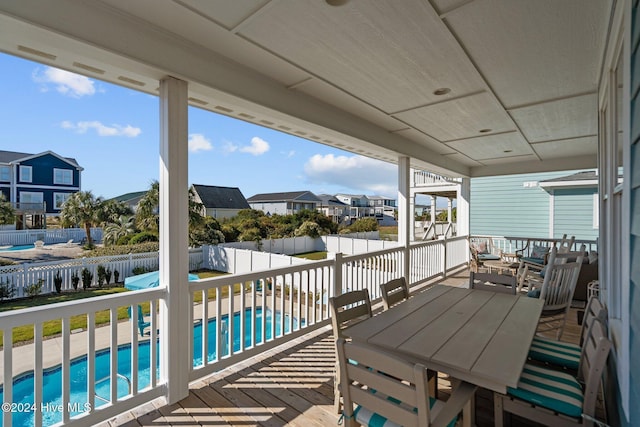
198 142
356 173
102 130
288 154
229 147
258 147
66 83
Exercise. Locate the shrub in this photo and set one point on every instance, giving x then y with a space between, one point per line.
4 261
116 276
141 269
57 281
102 275
123 240
6 289
75 279
34 289
123 250
87 277
145 236
107 275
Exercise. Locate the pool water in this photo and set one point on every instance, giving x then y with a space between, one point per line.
52 377
18 248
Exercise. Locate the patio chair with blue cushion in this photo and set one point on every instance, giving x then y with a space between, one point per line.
380 389
566 355
142 324
557 398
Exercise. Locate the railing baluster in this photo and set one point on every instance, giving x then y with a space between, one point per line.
153 343
114 352
7 356
91 360
205 327
37 373
66 365
133 330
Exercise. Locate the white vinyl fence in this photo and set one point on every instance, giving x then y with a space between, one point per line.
48 236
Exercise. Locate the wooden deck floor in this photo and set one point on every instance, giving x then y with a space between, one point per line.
286 386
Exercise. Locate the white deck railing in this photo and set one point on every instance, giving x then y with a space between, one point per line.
234 317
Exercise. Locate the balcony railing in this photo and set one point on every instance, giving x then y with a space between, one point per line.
234 317
426 178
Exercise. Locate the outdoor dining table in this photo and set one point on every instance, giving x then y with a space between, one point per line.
477 336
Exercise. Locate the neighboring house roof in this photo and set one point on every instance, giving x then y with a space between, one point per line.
299 196
130 198
580 179
221 197
329 200
14 156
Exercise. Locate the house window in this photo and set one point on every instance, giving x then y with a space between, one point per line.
26 174
63 176
5 173
30 198
59 199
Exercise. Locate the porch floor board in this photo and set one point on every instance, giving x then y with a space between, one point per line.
289 385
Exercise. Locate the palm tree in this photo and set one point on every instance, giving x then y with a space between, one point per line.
81 209
124 226
147 212
7 213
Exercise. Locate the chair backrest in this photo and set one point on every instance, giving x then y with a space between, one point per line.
390 377
568 256
593 310
394 291
565 244
595 352
349 308
493 282
559 285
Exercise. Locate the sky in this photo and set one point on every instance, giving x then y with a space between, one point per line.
113 133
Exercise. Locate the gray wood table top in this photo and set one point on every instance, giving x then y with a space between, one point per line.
477 336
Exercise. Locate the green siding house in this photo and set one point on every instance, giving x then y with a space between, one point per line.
543 205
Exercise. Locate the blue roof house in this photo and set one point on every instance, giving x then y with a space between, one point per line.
544 205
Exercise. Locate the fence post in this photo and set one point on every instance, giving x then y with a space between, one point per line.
337 274
444 257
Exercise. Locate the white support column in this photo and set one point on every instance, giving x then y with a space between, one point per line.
404 209
463 211
174 255
449 210
412 217
433 210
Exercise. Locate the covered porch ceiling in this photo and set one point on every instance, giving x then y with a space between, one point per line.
462 87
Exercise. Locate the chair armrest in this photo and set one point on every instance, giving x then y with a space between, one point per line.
454 405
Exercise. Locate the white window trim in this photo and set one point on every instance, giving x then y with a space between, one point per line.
22 170
63 172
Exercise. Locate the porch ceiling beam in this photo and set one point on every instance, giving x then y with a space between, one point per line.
151 51
579 162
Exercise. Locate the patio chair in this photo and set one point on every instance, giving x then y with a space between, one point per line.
142 324
557 291
394 291
566 355
492 282
537 258
393 392
347 309
556 398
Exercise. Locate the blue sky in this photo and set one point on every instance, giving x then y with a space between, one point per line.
113 134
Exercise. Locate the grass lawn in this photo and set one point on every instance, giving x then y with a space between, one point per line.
315 256
389 232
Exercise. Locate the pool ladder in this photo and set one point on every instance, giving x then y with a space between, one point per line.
101 380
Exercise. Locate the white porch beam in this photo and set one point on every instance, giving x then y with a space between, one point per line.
175 322
404 209
463 211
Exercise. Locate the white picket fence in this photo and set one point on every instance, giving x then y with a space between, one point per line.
20 276
48 236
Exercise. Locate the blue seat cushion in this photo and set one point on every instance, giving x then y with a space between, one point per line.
488 257
563 354
550 389
533 260
534 293
367 417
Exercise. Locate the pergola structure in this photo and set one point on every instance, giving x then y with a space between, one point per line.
461 88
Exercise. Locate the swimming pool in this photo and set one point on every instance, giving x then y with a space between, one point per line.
52 377
17 248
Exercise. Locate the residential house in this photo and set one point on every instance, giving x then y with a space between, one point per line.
384 209
220 202
131 199
359 205
284 203
37 184
332 207
545 205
